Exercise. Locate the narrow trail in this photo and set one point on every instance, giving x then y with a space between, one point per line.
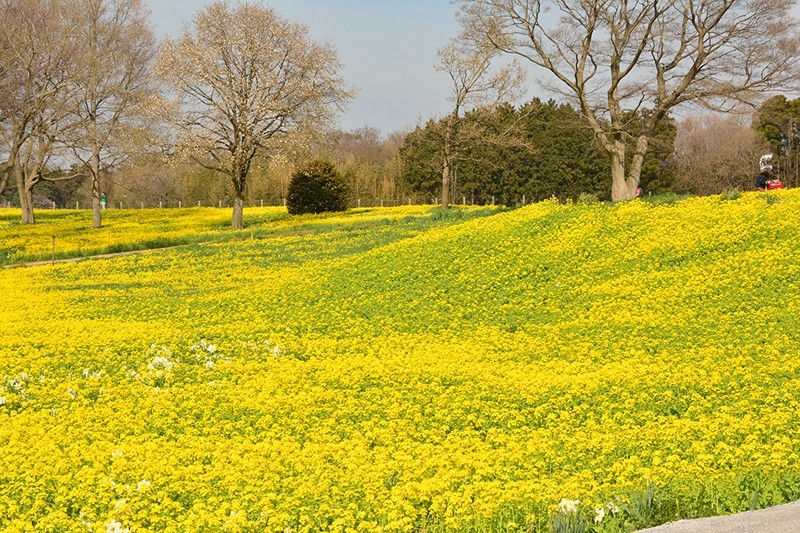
47 262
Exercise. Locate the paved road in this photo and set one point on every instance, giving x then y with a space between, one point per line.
780 519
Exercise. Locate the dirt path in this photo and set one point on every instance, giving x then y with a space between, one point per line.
781 519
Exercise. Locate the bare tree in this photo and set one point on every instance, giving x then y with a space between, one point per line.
714 153
38 58
654 55
113 84
473 84
246 77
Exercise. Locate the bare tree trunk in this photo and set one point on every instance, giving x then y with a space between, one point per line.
239 174
620 183
95 170
4 179
238 208
635 172
446 184
25 197
447 156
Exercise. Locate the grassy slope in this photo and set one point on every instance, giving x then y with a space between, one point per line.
471 374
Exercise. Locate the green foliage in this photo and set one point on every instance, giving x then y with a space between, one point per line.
317 188
771 199
553 154
643 507
421 155
731 194
64 192
570 522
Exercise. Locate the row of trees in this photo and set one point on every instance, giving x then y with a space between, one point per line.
243 93
85 85
532 152
627 65
73 89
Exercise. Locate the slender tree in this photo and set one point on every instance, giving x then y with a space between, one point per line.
113 85
473 84
246 77
654 55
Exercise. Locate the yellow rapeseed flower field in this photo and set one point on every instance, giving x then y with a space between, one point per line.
607 365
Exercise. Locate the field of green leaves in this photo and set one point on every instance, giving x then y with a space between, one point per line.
582 367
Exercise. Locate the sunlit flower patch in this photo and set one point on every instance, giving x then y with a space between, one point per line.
555 364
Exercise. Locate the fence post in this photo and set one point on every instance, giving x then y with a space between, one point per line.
262 203
523 199
220 204
77 205
492 199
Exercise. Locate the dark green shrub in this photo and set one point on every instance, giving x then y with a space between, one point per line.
317 188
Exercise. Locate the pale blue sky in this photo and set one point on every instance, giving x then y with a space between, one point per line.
388 49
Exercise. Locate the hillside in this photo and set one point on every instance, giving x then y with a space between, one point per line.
453 374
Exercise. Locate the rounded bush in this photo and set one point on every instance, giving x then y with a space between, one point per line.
317 188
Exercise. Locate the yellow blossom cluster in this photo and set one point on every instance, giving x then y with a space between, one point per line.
375 378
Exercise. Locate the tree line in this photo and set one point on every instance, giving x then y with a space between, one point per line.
93 105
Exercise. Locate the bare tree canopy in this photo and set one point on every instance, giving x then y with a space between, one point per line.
473 83
246 77
714 154
37 54
113 82
647 56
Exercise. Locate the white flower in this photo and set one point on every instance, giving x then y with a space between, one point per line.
612 507
211 348
599 514
160 362
2 400
276 351
143 484
568 506
120 503
115 527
